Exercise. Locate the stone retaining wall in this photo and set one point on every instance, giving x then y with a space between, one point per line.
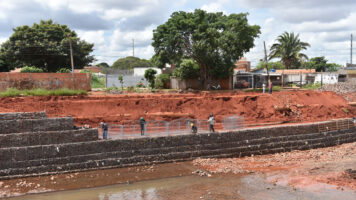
22 115
61 151
35 125
47 137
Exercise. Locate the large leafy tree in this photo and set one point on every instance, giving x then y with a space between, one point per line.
130 62
46 46
320 64
288 48
213 40
4 65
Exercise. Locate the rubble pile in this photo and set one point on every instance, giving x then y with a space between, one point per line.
340 88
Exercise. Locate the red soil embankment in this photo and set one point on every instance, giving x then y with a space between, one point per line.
285 106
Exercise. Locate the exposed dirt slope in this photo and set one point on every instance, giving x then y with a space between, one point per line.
286 106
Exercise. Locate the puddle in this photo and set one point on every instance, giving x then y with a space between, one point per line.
248 187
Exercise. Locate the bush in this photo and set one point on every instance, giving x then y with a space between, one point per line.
64 70
31 69
188 69
150 75
140 85
162 80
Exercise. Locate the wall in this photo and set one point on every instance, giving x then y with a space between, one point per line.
49 158
176 83
23 81
140 71
129 80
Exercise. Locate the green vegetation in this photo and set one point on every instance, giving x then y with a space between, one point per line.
213 40
271 65
46 46
130 62
150 75
288 48
4 65
103 64
311 86
31 69
345 110
64 70
97 82
320 64
121 80
41 92
162 80
187 69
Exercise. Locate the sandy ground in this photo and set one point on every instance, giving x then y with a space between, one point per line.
300 169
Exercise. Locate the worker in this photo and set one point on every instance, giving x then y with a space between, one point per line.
142 125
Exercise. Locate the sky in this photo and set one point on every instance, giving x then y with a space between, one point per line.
112 24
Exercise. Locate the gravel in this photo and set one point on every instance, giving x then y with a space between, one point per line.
340 88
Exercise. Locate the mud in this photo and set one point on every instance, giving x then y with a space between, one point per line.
298 169
256 108
313 174
250 187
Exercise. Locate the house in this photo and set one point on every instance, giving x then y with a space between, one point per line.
242 66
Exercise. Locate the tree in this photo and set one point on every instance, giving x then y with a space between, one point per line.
4 65
130 62
188 69
320 64
150 75
46 46
103 64
288 48
271 65
121 80
213 40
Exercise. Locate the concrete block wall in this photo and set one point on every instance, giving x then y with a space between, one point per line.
51 158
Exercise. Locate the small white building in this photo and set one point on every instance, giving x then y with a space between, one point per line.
140 71
326 77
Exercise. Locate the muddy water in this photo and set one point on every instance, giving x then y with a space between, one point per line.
196 187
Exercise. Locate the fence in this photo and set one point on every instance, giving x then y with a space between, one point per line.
175 127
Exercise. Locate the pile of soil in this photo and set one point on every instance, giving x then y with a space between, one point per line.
285 106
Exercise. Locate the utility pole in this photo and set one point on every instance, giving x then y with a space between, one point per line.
268 78
133 47
351 51
71 53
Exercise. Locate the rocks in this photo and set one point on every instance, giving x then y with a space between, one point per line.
201 173
351 173
340 88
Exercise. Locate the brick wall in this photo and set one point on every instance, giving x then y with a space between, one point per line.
23 81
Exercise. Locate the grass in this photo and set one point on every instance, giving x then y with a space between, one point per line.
97 82
311 86
11 92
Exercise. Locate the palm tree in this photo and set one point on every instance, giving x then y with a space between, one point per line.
288 48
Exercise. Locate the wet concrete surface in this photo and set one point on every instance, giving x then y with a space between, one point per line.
226 186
